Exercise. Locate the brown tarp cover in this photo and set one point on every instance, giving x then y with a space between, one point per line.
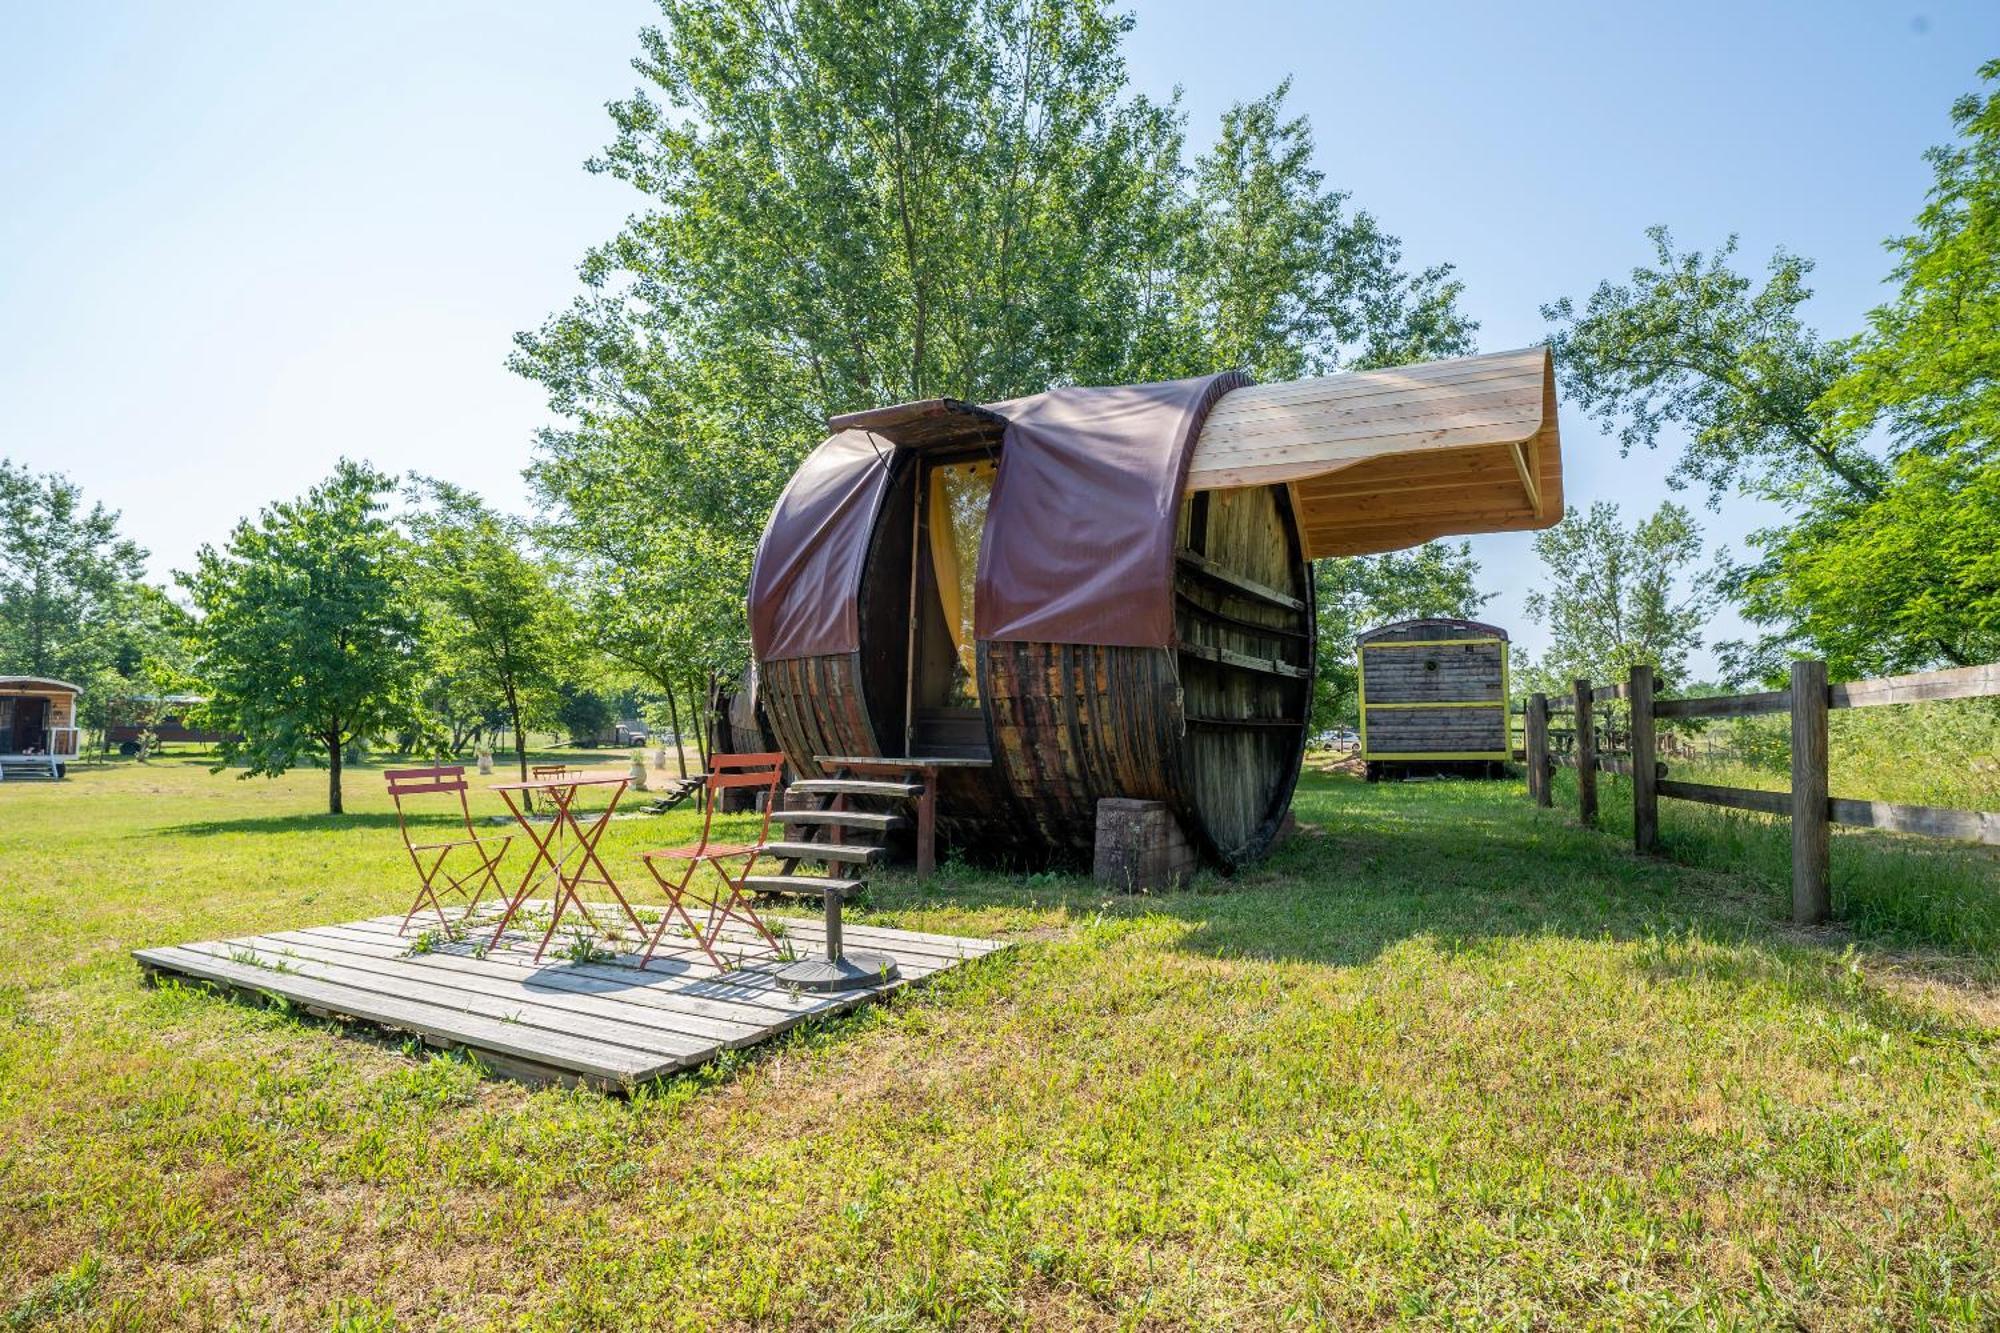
1079 544
1079 540
805 585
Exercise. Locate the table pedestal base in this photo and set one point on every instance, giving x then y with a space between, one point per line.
851 971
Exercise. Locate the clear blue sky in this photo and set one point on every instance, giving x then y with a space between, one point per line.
238 240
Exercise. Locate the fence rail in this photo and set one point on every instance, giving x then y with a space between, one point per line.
1808 804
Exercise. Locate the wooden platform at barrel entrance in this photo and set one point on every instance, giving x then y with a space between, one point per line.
590 1016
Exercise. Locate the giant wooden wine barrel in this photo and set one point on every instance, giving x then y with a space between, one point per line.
1107 592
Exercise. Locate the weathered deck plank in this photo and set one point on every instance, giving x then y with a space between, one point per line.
605 1022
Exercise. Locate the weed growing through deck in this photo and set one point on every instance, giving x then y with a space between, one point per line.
1451 1060
584 948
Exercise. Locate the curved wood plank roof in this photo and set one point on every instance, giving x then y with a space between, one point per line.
1382 459
39 684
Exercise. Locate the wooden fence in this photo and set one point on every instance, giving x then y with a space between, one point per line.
1810 807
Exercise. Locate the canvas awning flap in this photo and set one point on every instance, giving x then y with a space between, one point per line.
1079 541
807 573
1377 460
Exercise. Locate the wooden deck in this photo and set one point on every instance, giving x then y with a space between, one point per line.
603 1022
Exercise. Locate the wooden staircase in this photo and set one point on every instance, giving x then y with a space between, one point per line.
828 832
46 767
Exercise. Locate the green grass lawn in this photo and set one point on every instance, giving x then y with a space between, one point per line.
1444 1059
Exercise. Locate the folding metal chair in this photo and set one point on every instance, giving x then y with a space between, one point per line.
408 782
730 902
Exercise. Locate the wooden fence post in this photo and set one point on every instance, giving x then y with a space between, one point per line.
1538 748
1811 870
1586 754
1645 763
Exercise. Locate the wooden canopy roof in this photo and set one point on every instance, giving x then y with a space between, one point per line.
1381 459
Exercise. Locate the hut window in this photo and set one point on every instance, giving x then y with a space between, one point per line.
955 515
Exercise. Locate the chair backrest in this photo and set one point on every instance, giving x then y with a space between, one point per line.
745 770
445 780
420 781
549 770
742 770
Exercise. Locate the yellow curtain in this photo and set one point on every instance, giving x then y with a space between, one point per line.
955 514
945 563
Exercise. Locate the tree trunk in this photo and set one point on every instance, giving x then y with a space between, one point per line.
520 736
333 806
674 716
705 738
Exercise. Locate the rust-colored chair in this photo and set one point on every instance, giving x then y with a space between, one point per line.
730 902
408 782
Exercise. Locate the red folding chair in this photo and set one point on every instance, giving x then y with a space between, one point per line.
407 782
730 902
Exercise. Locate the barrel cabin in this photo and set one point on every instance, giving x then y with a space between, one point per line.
1434 699
1107 592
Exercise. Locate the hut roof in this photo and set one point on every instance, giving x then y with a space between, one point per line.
1079 538
1079 541
44 684
1382 459
929 421
1445 622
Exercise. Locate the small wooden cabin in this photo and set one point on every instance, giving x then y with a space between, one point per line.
38 726
1107 592
1434 699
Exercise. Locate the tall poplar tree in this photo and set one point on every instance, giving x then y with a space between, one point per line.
845 204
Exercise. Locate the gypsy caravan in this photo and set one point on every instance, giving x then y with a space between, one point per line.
1434 699
38 730
1107 592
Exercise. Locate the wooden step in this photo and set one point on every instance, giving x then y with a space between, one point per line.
821 851
868 819
855 787
802 886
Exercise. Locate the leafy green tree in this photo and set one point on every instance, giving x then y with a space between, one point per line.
582 712
1898 583
1926 365
149 659
1692 343
1910 575
1885 563
1357 594
460 701
306 639
69 584
1278 277
854 203
495 628
1615 596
